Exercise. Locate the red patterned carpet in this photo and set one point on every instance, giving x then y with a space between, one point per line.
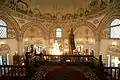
65 74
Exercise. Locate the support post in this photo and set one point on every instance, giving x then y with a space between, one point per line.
20 46
100 60
101 64
26 64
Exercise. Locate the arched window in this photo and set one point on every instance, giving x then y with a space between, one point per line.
115 28
58 32
3 29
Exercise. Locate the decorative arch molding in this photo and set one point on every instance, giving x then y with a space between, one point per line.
74 24
87 24
30 24
10 21
52 26
105 22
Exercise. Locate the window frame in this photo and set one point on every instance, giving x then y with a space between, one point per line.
6 30
57 31
111 26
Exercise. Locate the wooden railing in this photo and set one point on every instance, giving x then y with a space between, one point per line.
12 70
67 58
97 62
28 69
113 73
108 72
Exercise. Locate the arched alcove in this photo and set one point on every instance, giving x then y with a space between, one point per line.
34 32
59 34
34 36
84 39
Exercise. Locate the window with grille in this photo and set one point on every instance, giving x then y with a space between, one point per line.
3 29
58 32
115 29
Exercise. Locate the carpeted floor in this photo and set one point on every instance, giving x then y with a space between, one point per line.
65 73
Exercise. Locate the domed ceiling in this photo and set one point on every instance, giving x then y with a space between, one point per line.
58 9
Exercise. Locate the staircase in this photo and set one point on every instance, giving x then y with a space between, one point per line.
46 67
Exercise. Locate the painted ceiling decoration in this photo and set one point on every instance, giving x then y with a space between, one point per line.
57 9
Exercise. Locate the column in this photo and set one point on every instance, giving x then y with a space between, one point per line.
46 44
20 46
97 45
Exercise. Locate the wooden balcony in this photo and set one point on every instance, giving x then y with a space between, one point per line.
25 72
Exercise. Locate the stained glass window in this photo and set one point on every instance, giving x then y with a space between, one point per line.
115 29
59 32
3 29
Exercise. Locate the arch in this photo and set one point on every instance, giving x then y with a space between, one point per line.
9 20
87 24
58 29
115 22
106 21
30 24
54 26
2 23
74 25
